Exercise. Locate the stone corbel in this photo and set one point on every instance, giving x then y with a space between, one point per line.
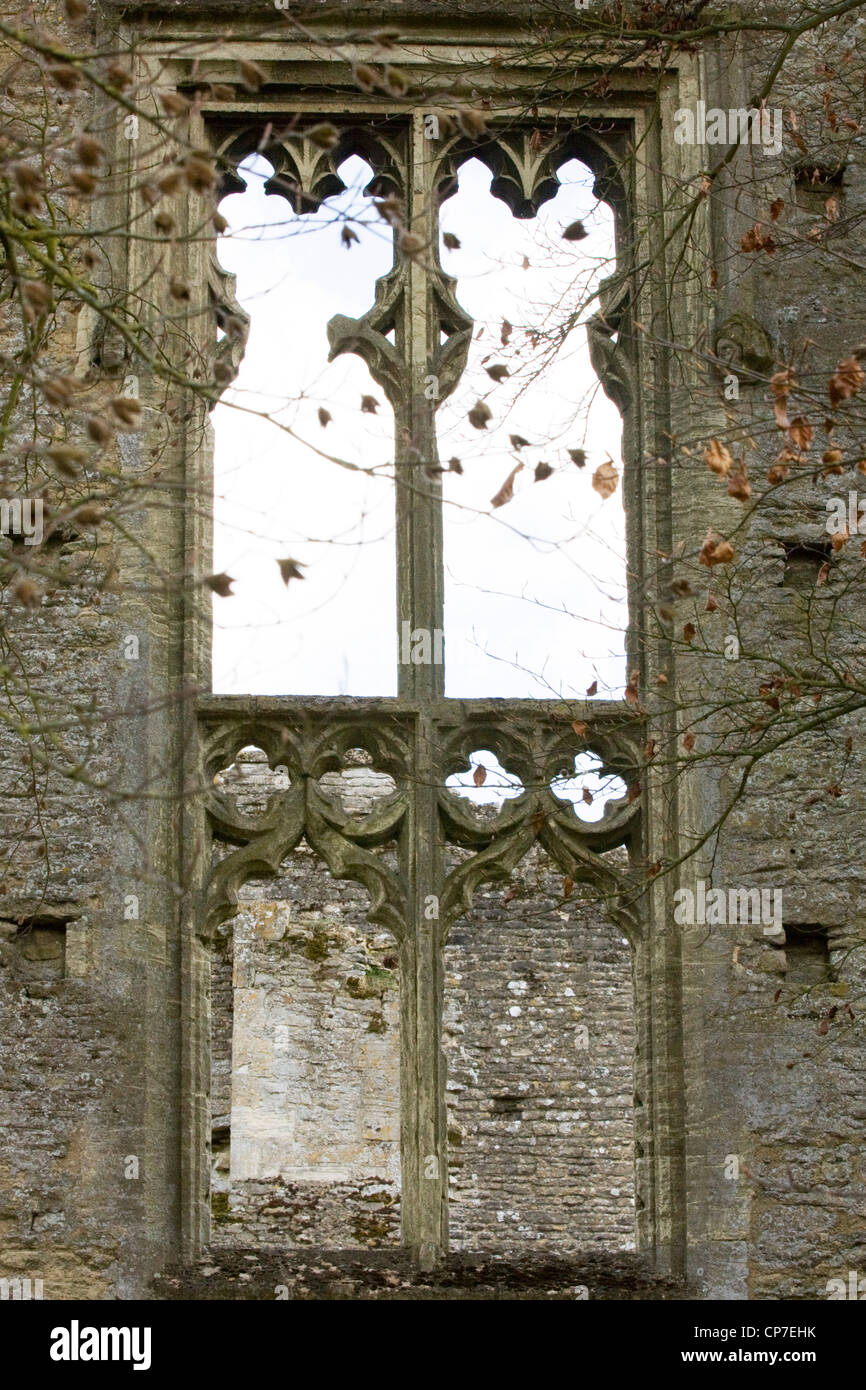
741 345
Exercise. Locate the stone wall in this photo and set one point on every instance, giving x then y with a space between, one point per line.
539 1036
66 1092
773 1028
77 932
310 1029
102 1008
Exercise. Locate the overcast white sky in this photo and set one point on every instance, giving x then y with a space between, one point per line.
535 601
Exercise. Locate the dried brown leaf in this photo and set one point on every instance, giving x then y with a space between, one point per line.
479 415
221 584
290 569
605 479
801 433
718 458
846 380
575 231
739 485
506 492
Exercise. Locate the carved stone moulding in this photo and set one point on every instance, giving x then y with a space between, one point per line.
525 156
744 346
537 751
307 747
304 159
538 745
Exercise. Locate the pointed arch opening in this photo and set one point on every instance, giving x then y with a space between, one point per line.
535 539
304 502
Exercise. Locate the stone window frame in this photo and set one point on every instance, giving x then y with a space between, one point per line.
642 107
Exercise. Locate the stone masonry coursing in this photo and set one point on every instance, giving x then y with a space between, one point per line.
539 1037
773 1036
77 928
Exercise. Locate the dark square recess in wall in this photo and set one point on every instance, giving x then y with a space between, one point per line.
815 183
803 560
807 954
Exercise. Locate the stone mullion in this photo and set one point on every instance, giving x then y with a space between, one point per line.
660 983
420 598
420 604
423 1112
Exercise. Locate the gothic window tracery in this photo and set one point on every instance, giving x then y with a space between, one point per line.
414 334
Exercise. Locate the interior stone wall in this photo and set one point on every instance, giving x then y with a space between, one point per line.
539 1037
305 1095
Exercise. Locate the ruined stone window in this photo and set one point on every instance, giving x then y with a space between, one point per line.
422 972
448 580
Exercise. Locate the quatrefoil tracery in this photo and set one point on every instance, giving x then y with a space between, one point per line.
297 806
536 757
302 809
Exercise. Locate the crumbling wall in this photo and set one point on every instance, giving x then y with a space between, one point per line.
773 1029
